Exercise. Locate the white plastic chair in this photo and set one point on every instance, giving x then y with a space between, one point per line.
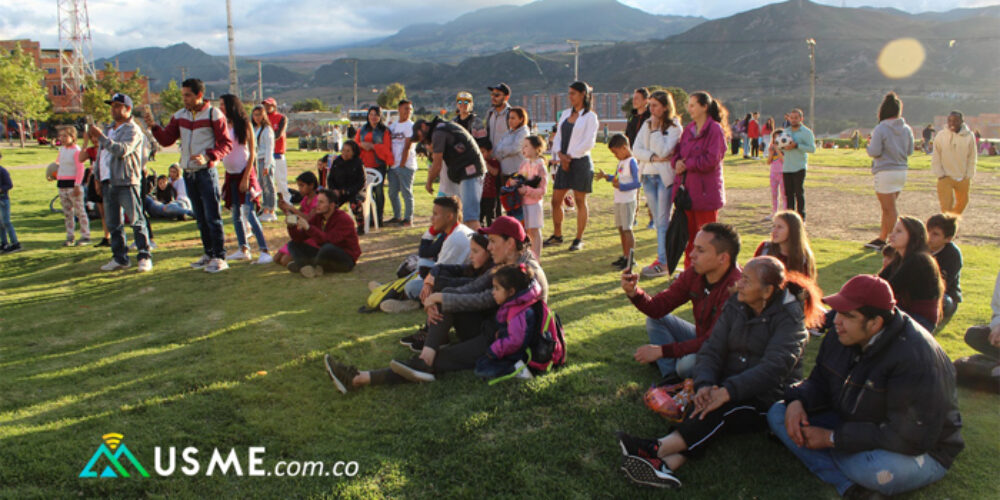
368 208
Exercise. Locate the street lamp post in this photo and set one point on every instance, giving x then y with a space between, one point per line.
812 83
355 61
576 59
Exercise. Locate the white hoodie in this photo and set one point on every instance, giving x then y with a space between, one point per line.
954 154
649 142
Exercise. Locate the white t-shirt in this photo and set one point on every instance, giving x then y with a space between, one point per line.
180 188
401 131
105 164
236 160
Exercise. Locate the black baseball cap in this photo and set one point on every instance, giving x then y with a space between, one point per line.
502 87
122 98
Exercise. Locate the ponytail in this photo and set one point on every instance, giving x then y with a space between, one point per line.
715 110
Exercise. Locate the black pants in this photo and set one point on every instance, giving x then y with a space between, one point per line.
467 324
378 194
730 418
978 338
754 146
491 208
795 194
734 145
450 358
332 258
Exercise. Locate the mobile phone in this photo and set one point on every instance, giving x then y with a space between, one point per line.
631 261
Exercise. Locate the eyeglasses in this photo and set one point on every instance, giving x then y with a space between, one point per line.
463 101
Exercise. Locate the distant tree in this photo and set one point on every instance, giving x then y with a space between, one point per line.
22 96
311 104
170 98
391 96
680 101
108 83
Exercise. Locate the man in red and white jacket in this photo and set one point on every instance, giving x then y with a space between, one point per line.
674 342
204 142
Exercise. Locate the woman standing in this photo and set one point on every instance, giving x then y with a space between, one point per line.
264 139
575 136
698 159
765 134
240 191
890 146
508 149
654 144
375 140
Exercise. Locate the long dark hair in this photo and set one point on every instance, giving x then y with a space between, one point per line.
917 237
716 110
381 120
233 108
588 94
264 120
516 277
800 254
667 100
891 107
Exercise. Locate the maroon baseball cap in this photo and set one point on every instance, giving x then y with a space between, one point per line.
862 290
506 226
270 100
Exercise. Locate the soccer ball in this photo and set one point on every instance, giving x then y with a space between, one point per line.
783 141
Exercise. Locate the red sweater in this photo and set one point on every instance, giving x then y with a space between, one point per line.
707 307
381 151
753 129
339 231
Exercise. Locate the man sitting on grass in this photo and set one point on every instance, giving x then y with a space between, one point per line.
326 242
879 412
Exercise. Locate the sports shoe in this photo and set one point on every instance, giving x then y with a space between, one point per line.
413 369
265 258
395 221
394 306
216 265
620 263
268 217
639 447
145 265
654 270
103 243
200 263
241 254
576 245
15 247
311 271
82 242
553 240
68 243
342 375
372 285
113 265
406 223
875 244
641 463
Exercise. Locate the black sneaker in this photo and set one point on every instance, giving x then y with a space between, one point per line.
416 338
393 222
16 247
413 369
649 472
294 267
576 245
103 243
553 240
639 447
875 244
620 263
342 375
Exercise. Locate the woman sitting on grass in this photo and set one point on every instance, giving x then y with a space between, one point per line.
308 184
790 244
754 353
913 273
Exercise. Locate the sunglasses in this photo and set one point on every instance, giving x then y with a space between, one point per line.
463 101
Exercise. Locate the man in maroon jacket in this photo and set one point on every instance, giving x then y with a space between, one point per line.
714 270
328 241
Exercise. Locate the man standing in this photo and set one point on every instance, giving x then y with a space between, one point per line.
796 160
706 283
496 128
204 141
401 174
455 151
496 117
639 114
928 136
953 161
118 166
879 412
280 125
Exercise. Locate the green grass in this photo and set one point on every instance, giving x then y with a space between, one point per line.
172 359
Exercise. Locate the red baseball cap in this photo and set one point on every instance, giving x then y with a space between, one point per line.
270 100
506 226
862 290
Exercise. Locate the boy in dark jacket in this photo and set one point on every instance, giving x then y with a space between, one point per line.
879 411
941 229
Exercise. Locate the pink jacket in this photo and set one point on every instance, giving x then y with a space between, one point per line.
530 169
702 153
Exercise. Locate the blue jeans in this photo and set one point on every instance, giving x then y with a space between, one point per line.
248 210
269 199
670 330
658 197
471 193
401 182
6 228
203 189
170 210
120 200
883 471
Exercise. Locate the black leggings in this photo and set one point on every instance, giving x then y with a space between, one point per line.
754 146
332 258
450 358
730 418
978 338
795 194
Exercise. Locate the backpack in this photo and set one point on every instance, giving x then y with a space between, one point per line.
390 290
547 348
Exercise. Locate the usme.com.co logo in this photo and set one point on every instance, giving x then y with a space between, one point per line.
114 450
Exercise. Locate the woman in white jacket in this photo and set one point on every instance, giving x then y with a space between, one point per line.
574 138
653 146
264 136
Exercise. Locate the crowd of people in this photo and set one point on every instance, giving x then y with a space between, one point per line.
877 414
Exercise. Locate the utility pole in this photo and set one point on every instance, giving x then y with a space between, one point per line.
234 84
260 81
183 73
576 59
812 83
355 61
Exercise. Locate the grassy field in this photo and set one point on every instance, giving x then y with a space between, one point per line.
182 358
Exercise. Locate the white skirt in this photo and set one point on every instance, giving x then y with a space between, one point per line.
890 181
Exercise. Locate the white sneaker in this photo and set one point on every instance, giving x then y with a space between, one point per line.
145 265
268 217
216 265
265 258
522 371
202 262
241 254
112 265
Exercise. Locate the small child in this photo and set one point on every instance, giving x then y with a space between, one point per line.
776 158
69 181
6 228
533 168
941 229
515 291
308 184
626 182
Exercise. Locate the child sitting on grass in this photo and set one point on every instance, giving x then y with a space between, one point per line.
941 229
515 291
6 228
776 158
626 182
308 185
69 181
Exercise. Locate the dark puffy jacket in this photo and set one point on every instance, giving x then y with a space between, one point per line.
755 357
896 395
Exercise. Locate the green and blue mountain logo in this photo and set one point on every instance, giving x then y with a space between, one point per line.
114 451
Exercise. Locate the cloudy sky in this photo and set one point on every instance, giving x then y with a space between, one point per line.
264 26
